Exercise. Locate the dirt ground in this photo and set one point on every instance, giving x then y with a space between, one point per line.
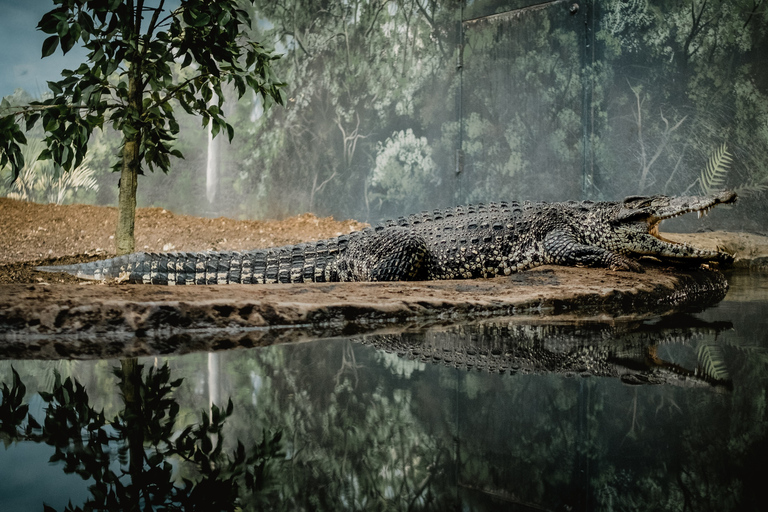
54 315
42 234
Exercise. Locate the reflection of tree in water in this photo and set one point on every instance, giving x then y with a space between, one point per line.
353 437
369 430
129 457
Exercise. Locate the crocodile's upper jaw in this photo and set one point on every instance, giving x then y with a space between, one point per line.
645 215
701 204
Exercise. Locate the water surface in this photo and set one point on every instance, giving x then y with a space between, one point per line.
664 414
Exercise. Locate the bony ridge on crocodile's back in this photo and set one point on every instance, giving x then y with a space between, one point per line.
458 243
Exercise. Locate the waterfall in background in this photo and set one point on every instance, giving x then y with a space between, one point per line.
213 380
212 163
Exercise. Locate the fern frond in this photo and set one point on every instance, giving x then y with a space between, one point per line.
712 177
751 189
42 181
711 363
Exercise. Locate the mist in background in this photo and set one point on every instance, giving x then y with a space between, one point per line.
408 105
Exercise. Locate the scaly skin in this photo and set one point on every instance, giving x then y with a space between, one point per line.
626 352
457 243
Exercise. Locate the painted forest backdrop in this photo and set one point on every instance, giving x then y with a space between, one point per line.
405 105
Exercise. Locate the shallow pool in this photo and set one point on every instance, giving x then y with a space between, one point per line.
664 414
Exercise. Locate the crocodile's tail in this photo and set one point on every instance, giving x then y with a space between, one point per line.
289 264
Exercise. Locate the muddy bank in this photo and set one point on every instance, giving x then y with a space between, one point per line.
97 320
58 316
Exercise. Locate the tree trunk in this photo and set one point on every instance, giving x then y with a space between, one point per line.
131 388
126 205
129 175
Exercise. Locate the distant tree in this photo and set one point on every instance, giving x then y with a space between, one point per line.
129 81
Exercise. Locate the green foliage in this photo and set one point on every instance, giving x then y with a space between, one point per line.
138 443
359 72
128 83
127 60
701 84
523 105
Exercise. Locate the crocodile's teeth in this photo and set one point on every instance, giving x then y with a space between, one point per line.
700 214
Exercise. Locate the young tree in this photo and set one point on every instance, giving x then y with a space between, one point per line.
129 81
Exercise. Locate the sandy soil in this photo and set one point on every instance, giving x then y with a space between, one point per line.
41 234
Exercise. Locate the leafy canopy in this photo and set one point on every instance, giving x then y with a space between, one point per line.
130 80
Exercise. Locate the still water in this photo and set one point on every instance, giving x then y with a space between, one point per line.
664 414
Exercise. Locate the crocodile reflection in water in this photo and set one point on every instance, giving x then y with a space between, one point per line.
629 352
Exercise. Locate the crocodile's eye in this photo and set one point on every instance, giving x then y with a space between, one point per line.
638 201
629 216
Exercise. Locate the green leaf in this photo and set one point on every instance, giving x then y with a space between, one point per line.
75 31
55 88
48 23
85 21
52 125
129 131
67 43
19 137
31 120
62 28
49 45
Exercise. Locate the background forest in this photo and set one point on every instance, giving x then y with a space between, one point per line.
405 105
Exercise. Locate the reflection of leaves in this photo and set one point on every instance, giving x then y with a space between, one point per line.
357 438
128 457
12 411
711 362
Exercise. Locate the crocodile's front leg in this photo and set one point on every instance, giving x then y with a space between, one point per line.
562 248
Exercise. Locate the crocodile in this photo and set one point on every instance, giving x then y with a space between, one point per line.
633 353
464 242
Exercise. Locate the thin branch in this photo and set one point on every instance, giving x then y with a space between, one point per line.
172 94
153 22
28 109
751 14
139 17
323 184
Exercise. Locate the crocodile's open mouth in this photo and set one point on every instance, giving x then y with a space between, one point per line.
653 229
701 206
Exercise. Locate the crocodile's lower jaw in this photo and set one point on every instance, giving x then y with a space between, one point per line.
654 231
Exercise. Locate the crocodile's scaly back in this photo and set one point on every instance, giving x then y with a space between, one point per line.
456 243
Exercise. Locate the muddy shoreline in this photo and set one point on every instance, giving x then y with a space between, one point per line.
96 320
58 316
